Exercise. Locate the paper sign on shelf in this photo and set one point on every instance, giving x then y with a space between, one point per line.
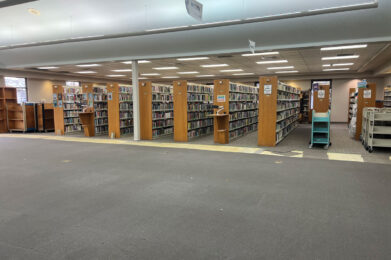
251 44
267 89
220 98
194 9
110 96
321 93
60 103
367 93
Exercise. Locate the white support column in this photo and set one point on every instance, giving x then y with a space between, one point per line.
136 105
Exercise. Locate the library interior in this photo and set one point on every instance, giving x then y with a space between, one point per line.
195 129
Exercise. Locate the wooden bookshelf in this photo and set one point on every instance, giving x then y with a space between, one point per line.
305 106
192 107
279 109
45 117
366 97
3 110
120 109
156 110
240 102
95 96
67 104
387 97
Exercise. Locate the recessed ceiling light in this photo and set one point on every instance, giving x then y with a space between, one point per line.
204 76
170 77
261 53
243 74
326 65
346 47
150 74
86 72
115 76
122 70
214 65
188 72
194 58
34 11
165 68
341 57
336 69
88 65
272 61
281 68
48 68
233 70
343 64
288 71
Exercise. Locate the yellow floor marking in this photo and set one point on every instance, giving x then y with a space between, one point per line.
270 153
299 154
345 157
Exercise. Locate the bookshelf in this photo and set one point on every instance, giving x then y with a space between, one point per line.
387 96
156 110
8 97
240 102
279 110
364 97
96 96
45 117
21 118
192 107
67 104
120 109
305 106
351 103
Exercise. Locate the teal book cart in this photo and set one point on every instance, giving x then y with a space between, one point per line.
320 132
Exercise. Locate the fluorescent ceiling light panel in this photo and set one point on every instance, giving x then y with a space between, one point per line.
122 70
336 69
288 71
272 61
188 72
214 65
165 68
326 65
115 76
260 54
88 65
150 74
170 77
341 57
346 47
281 68
194 58
343 64
48 68
233 70
143 61
243 74
204 76
86 72
127 62
166 28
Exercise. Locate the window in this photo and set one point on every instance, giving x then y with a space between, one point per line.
72 83
20 85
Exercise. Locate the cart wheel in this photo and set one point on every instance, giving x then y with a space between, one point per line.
326 147
330 144
370 149
310 146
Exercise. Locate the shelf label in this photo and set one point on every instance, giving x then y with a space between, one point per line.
321 93
110 96
367 93
220 98
194 9
267 89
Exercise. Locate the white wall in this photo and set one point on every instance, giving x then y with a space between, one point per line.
303 84
41 90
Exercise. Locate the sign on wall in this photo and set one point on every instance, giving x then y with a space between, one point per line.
367 93
220 98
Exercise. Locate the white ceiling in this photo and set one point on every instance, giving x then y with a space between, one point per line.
307 61
64 19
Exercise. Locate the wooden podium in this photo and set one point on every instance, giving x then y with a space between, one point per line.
221 128
87 120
